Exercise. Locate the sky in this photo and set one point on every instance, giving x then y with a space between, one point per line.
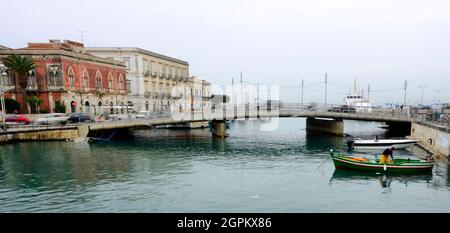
273 42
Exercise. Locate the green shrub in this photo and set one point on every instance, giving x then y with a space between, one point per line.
60 107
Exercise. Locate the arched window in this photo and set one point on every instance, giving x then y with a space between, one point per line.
98 80
85 79
110 82
121 83
71 77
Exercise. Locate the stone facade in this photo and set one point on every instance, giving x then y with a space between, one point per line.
156 82
67 74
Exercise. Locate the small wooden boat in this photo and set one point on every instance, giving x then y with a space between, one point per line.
396 166
380 144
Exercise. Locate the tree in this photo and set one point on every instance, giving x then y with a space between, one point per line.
34 103
11 105
19 66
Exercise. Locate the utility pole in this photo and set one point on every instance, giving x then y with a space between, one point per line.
404 98
242 100
423 87
81 35
303 82
326 82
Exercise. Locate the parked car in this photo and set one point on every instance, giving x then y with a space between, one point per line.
51 118
80 117
19 119
143 115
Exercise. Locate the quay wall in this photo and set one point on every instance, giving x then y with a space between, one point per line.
433 138
61 134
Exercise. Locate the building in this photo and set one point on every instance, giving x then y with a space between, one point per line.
4 48
199 94
156 82
68 75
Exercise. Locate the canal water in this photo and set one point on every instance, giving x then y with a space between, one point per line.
285 170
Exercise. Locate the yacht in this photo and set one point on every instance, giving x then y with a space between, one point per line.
357 100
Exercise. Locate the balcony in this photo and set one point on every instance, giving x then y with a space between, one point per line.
147 73
100 90
32 87
154 74
58 88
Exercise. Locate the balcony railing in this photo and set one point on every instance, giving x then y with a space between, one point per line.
32 87
55 88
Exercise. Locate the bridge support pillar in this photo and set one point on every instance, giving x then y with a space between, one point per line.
219 128
335 127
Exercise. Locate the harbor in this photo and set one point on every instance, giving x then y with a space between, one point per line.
244 108
188 170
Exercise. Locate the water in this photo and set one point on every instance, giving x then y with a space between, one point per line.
188 171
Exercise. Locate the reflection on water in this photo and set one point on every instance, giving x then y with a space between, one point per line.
384 180
164 170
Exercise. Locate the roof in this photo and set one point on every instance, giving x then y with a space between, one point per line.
56 52
3 47
135 49
60 48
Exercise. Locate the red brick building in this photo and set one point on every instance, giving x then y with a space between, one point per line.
68 74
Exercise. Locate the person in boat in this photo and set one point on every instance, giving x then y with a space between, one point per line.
350 145
384 158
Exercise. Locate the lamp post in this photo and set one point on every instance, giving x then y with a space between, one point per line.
2 91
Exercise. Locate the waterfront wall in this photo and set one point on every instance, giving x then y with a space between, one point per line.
433 138
60 134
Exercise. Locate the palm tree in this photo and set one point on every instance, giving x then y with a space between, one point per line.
19 66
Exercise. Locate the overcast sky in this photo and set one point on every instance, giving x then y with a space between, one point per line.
378 42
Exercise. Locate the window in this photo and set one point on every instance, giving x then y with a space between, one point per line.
127 62
32 82
145 65
110 82
120 82
85 80
153 66
54 76
146 86
98 80
70 75
128 85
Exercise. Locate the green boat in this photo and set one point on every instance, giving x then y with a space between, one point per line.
404 166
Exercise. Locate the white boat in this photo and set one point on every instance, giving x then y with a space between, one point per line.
357 100
380 144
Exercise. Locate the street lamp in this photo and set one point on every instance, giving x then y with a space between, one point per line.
2 91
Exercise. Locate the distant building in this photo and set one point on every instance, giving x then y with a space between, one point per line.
67 74
199 94
155 82
4 48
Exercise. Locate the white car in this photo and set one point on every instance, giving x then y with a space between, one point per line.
51 118
143 115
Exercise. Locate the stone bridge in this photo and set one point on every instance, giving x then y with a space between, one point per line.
317 120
